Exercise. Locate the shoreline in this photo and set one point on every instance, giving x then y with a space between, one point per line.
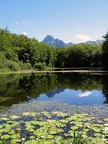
91 70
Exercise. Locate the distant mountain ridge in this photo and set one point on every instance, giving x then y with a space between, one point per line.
50 40
97 42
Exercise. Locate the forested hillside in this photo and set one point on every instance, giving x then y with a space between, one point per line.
18 52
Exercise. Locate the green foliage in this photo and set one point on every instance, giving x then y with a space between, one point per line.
2 60
29 53
14 66
40 66
105 52
26 66
83 55
23 52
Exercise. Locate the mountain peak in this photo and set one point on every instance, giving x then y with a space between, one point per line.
50 40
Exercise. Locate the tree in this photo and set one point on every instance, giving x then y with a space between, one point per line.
105 52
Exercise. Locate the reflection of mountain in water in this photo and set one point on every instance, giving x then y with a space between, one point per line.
55 91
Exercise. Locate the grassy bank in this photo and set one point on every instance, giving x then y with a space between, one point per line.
8 71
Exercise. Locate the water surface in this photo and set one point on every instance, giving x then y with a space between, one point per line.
71 88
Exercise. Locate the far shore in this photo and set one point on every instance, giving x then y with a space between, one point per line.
91 70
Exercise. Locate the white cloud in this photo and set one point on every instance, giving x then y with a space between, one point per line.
84 94
25 22
35 27
16 23
83 37
24 33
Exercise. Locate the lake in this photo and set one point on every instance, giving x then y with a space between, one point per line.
52 106
69 88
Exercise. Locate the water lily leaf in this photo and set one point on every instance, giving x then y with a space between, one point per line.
18 140
2 130
58 139
30 129
71 133
28 123
28 142
5 137
50 136
31 142
51 122
15 136
44 135
15 124
53 132
66 134
98 135
38 134
13 141
9 122
32 137
34 122
74 128
96 129
59 124
45 113
12 132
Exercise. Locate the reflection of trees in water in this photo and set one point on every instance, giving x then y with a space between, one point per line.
105 88
18 87
27 83
80 81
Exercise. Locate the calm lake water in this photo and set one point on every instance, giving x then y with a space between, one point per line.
51 94
71 88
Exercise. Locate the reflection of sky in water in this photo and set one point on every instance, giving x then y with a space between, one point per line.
75 97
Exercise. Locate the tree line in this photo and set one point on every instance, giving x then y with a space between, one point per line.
18 52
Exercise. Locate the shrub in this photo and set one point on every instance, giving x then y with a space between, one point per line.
13 65
40 65
26 66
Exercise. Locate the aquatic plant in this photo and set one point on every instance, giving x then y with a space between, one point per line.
52 128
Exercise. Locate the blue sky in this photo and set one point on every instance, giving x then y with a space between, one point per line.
69 20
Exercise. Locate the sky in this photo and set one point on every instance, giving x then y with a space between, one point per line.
68 20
